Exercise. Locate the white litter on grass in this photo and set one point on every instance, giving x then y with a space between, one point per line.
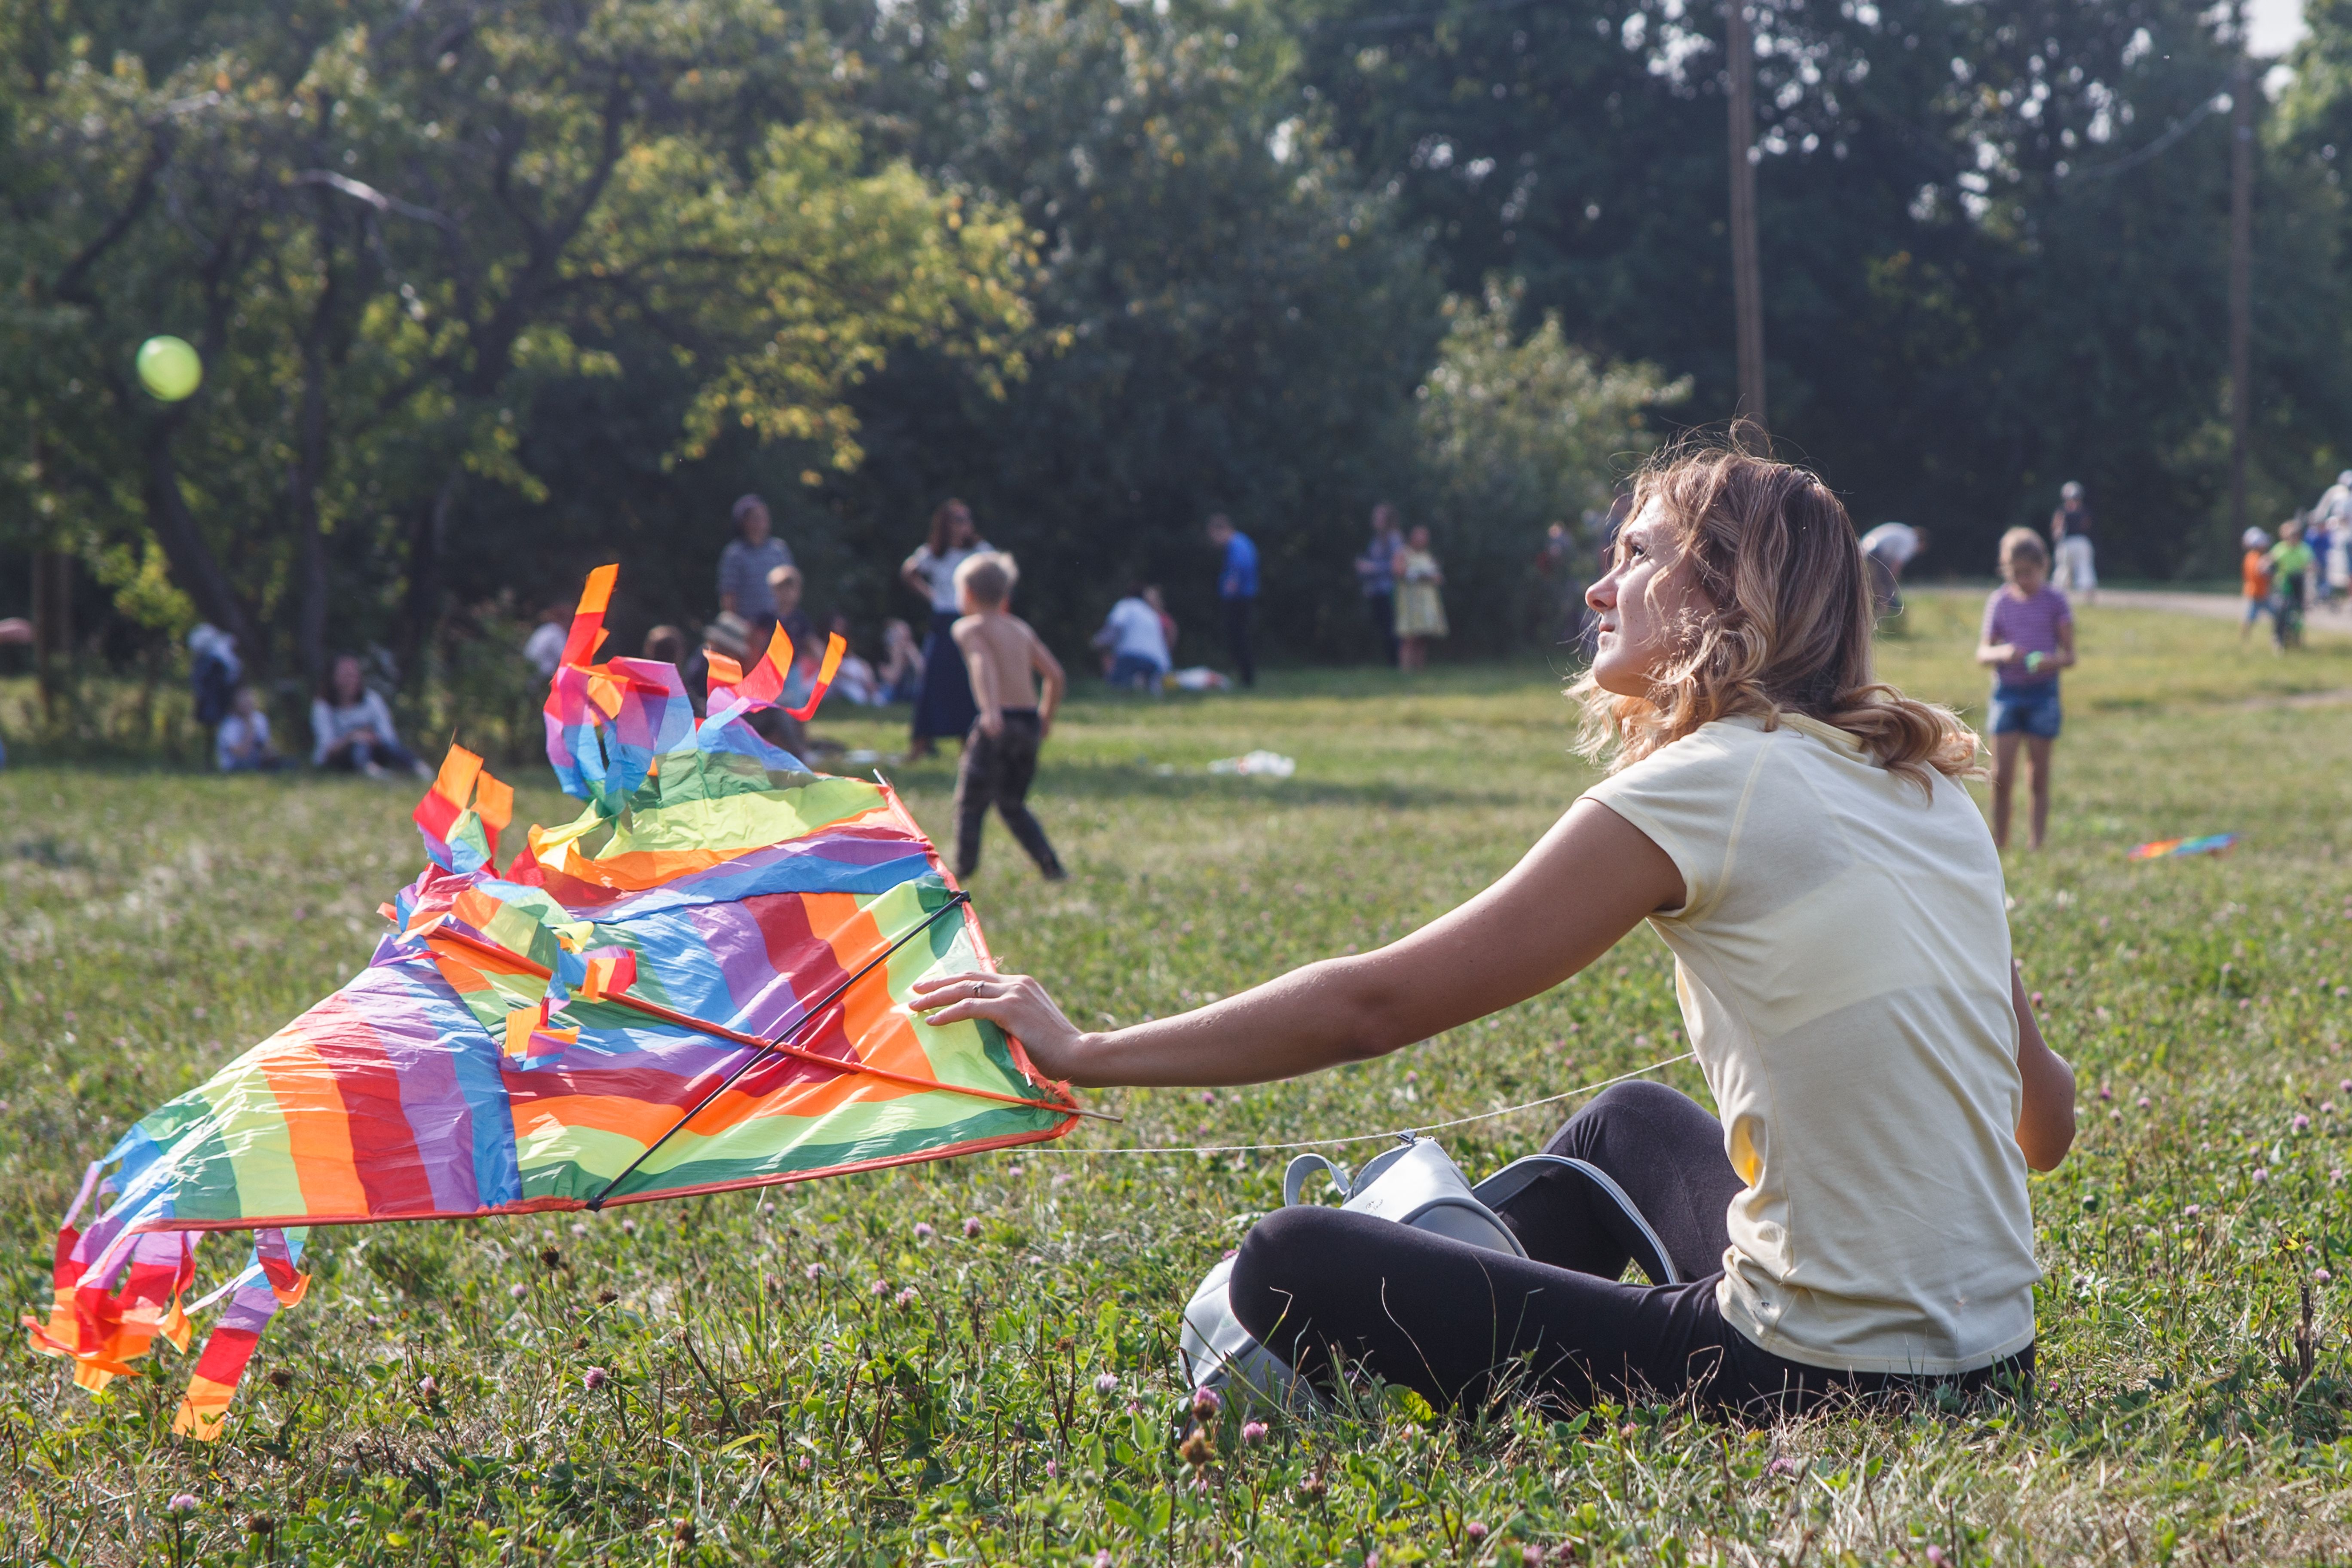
1257 765
1200 677
860 757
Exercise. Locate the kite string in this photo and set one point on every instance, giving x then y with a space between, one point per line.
1371 1136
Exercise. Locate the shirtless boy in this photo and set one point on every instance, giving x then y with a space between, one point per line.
1000 756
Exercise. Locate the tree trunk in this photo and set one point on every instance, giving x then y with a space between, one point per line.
427 537
2242 272
194 565
1746 274
52 625
302 484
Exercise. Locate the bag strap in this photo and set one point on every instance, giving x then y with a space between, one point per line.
1520 1175
1294 1180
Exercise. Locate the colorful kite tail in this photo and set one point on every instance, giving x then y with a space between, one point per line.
270 1282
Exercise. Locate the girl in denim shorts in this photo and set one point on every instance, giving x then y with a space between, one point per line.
2029 637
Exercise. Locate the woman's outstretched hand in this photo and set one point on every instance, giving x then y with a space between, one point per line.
1016 1004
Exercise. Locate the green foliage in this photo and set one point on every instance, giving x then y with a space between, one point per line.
1982 274
388 228
490 293
150 926
1238 323
1519 433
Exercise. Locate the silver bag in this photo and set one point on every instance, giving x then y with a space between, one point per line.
1414 1184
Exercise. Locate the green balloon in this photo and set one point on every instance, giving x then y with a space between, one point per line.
169 368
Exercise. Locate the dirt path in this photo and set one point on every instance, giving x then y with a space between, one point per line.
2211 606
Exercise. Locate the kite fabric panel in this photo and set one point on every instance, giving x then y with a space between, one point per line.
714 998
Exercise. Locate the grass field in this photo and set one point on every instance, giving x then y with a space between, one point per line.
1019 1407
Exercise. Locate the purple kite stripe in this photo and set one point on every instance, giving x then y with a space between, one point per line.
760 1000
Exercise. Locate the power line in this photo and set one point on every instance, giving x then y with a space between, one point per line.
2134 159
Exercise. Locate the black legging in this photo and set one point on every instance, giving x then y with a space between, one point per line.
1460 1325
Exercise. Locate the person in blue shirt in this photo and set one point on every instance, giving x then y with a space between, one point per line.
1376 573
1236 591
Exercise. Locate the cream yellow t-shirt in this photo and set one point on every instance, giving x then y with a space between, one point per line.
1841 959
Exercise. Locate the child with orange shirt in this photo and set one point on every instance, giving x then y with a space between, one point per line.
2255 571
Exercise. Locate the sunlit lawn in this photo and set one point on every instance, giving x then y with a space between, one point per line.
152 924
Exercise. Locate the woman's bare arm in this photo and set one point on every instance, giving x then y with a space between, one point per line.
1585 884
2045 1122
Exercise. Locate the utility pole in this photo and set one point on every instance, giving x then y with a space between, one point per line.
1747 276
2242 267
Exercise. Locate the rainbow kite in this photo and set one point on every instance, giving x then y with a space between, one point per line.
2166 849
713 999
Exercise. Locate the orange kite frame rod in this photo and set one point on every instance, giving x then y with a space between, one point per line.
507 956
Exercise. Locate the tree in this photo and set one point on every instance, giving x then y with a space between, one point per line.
393 228
1238 323
1519 434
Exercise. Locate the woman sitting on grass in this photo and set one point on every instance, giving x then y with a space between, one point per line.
1797 833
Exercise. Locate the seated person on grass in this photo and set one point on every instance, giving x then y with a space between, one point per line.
1857 1221
350 728
241 745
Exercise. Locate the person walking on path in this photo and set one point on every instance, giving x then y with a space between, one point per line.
1420 608
1005 660
745 566
1889 548
2070 538
1854 1219
2029 637
945 706
1376 574
2334 511
1236 592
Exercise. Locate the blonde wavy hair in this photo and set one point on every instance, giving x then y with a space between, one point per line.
1775 553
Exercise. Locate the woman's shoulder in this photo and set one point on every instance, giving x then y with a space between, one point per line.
1718 751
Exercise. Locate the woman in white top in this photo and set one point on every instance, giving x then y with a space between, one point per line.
1798 834
945 706
350 728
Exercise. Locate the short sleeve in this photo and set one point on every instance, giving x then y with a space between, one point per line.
1686 798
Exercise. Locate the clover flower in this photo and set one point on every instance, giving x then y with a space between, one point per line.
595 1378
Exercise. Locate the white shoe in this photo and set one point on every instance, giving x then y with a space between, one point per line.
374 769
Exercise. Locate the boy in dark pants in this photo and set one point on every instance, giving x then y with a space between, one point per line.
1000 756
